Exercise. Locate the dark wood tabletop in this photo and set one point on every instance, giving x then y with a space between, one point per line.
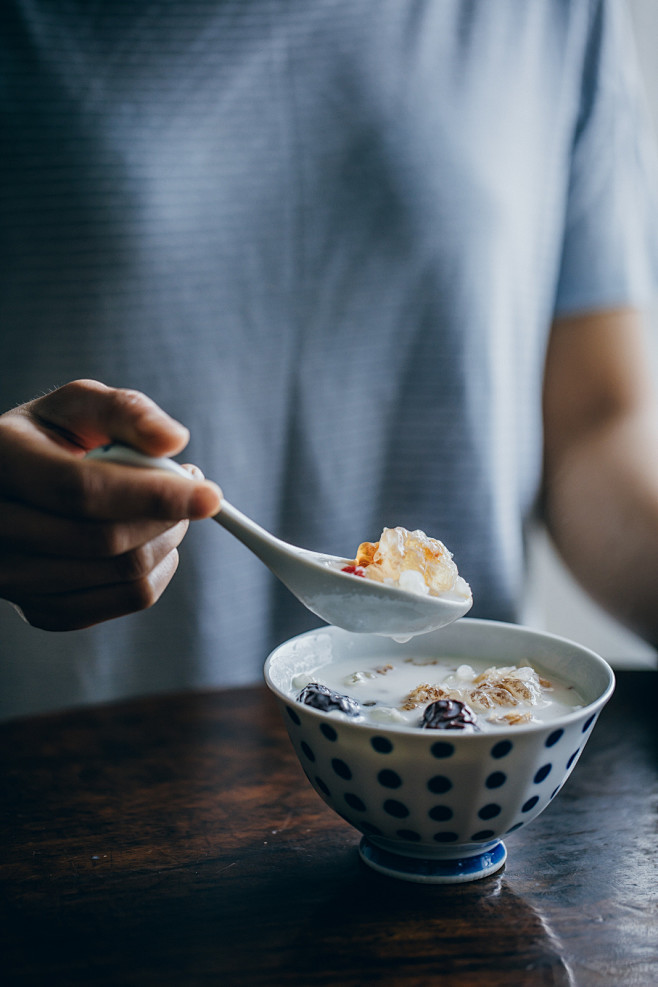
175 841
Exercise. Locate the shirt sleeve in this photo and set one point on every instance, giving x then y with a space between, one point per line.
610 247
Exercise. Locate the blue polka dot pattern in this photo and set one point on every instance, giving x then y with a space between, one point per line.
501 749
307 751
389 779
439 784
408 834
543 772
341 769
323 788
395 808
442 749
382 745
386 788
440 813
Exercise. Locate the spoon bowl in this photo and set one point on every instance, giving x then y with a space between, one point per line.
351 602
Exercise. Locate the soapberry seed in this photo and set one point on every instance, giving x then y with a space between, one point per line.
448 714
321 697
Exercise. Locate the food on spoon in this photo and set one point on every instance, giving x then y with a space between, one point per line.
411 561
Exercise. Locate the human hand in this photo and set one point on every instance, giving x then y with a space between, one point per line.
84 541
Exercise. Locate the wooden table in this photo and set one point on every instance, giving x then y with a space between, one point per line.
175 841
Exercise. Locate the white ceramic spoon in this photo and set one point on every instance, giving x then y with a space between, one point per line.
340 598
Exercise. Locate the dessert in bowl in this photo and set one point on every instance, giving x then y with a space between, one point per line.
437 748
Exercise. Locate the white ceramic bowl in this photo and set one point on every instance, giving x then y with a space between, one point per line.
432 805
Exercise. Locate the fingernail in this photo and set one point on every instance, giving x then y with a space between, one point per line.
205 500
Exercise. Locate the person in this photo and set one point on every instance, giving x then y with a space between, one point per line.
387 264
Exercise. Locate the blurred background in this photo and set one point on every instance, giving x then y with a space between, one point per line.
556 603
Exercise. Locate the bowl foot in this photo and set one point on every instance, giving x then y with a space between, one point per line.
424 870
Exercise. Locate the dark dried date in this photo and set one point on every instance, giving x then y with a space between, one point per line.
449 714
321 697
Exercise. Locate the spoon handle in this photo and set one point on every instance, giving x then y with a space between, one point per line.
255 538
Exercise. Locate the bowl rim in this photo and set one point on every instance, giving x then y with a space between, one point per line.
397 730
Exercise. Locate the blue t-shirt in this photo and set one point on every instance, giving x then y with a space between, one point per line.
330 238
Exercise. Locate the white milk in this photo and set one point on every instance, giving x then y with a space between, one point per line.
392 692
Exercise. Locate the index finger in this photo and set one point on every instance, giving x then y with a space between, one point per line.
48 476
90 413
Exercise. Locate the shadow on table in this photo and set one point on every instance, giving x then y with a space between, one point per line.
377 930
326 921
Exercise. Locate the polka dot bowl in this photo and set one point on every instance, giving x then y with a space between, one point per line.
433 805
